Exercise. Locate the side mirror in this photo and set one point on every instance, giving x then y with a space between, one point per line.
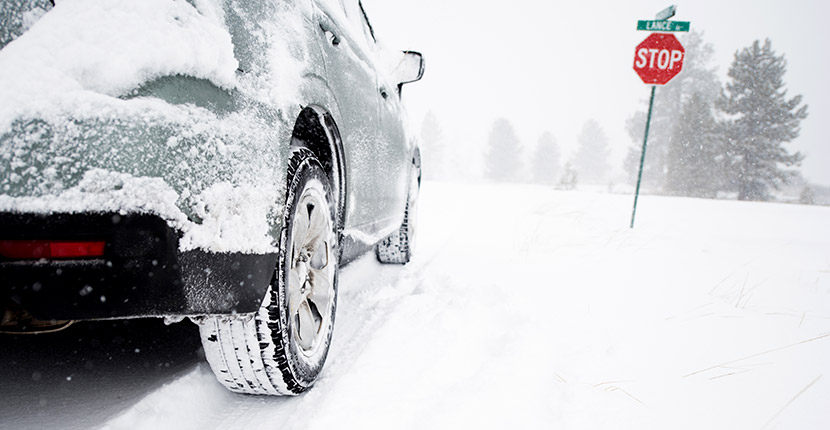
409 69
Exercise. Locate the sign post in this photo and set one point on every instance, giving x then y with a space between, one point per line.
643 155
657 60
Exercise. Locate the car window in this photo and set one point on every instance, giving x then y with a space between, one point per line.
334 4
16 16
358 21
367 25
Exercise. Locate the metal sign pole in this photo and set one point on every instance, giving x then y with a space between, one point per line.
643 155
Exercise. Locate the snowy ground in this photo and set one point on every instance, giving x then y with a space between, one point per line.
524 308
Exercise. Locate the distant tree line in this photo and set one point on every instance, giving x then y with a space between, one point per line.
503 159
706 139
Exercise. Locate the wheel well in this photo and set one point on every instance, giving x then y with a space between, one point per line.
315 130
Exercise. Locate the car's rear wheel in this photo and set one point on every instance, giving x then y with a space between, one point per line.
281 349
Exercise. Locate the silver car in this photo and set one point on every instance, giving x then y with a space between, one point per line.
217 160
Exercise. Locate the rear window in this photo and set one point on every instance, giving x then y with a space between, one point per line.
17 16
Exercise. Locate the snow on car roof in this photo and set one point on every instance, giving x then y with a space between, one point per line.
110 47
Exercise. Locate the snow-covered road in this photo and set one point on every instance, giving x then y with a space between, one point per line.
524 308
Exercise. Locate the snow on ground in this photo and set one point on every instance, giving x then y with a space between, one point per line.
527 308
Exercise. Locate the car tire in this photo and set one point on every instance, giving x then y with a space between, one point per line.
397 247
281 349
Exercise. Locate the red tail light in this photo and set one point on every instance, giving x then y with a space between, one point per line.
35 249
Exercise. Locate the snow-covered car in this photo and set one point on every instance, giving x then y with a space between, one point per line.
211 159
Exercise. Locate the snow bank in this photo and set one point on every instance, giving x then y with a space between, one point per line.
174 405
530 308
708 315
547 311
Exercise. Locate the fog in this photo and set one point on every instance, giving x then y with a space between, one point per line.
553 66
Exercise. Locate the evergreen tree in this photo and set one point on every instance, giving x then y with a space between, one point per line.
569 177
433 155
761 120
546 160
502 161
695 162
591 159
807 197
697 76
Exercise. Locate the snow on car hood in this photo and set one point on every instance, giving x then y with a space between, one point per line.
72 139
92 48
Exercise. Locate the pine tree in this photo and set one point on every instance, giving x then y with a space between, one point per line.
591 159
695 163
502 161
546 160
433 155
761 120
697 76
807 197
569 177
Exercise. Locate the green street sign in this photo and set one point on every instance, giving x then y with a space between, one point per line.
663 25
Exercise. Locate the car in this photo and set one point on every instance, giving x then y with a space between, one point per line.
211 160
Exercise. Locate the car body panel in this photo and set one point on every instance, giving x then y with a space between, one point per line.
349 61
204 153
141 272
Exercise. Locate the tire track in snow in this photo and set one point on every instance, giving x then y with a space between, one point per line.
369 293
365 310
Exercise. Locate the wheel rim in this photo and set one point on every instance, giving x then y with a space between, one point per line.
311 270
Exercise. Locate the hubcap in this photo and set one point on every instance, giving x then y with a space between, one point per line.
311 270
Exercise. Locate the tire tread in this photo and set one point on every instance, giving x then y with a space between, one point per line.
248 353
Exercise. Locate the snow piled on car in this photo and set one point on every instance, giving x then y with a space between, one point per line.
231 217
78 135
104 47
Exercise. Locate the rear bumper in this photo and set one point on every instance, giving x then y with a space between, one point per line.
142 271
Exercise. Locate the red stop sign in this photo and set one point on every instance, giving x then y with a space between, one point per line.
659 58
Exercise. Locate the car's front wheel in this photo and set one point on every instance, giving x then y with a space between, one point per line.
281 349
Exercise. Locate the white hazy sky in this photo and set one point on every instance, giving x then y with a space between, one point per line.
550 66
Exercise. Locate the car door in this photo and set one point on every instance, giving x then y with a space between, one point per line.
393 151
352 78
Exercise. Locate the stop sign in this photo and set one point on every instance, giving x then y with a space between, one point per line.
659 58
